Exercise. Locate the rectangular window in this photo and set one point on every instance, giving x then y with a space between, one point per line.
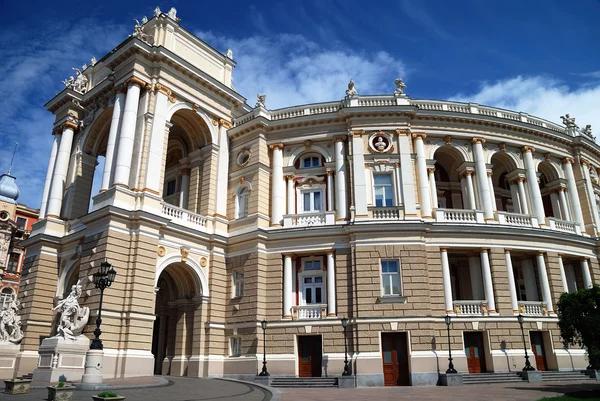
21 222
390 278
312 201
13 262
312 161
235 346
238 284
243 203
384 190
312 265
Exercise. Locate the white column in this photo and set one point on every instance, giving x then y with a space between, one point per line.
476 278
564 208
287 287
127 134
577 214
447 280
590 193
432 187
522 195
464 191
331 310
115 124
470 190
585 272
399 192
514 194
487 281
511 281
61 166
424 194
156 147
492 193
555 205
359 175
329 191
544 284
223 168
571 279
529 279
184 195
278 192
563 275
534 188
406 174
291 198
340 179
49 175
482 179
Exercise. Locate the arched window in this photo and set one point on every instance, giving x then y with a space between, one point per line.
242 203
310 161
6 296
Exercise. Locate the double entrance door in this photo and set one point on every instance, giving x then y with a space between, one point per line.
474 352
537 343
394 348
310 356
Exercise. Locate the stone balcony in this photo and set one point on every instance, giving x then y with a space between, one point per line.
186 218
532 308
465 216
309 312
386 213
471 307
309 219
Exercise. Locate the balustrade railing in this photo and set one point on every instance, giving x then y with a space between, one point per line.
309 219
184 217
386 213
564 225
470 307
309 312
517 219
458 216
532 308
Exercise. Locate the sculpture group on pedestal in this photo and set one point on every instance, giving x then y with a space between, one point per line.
10 323
73 317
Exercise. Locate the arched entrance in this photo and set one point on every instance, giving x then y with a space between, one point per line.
179 312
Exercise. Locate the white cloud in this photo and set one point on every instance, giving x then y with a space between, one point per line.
542 97
292 70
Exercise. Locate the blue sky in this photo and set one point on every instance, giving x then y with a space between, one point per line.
540 57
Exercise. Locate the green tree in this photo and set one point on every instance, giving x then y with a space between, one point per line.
579 321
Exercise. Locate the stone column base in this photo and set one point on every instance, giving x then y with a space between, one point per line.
93 367
346 381
532 376
451 379
8 359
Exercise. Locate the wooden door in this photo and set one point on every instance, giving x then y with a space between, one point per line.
474 352
309 356
537 343
394 347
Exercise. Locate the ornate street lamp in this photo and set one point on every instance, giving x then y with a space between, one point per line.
102 279
450 369
264 372
528 366
346 369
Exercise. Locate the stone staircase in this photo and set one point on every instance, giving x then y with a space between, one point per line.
303 382
555 376
491 378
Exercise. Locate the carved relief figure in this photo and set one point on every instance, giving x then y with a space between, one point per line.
400 85
138 32
261 100
568 121
594 175
351 91
379 144
10 323
73 317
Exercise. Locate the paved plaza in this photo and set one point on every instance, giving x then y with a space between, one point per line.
199 389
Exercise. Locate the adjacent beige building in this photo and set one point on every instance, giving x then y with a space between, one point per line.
388 210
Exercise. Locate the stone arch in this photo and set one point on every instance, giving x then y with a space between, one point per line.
302 150
68 276
505 191
549 170
463 151
181 106
95 137
200 280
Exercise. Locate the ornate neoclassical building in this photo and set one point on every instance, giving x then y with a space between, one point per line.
388 210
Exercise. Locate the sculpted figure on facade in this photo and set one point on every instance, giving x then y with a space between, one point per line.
587 131
93 61
10 323
173 13
79 84
4 245
138 32
400 85
157 11
351 91
594 175
229 54
261 100
73 317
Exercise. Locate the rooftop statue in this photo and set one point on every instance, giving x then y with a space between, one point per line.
10 323
173 13
400 85
351 91
93 61
261 100
73 317
157 11
229 54
78 84
138 32
568 121
587 130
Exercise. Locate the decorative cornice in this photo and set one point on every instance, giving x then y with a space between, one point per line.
163 89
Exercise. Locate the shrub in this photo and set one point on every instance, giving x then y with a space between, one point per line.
107 394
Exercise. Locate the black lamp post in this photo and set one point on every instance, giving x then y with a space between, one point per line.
346 369
450 369
264 372
102 279
528 366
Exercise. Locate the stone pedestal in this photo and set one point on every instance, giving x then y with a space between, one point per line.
451 379
61 359
532 376
263 380
93 367
346 381
8 358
